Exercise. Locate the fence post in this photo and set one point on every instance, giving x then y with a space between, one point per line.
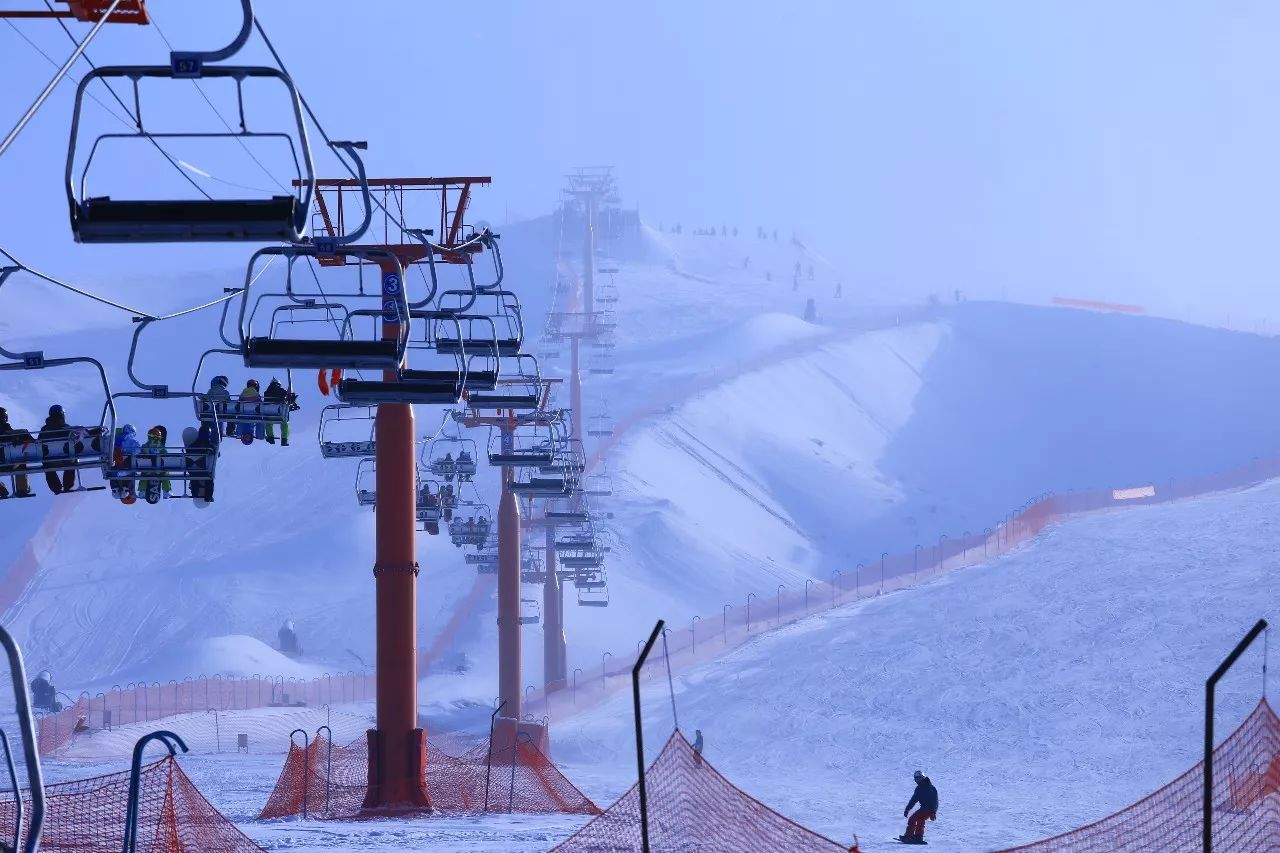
883 554
635 694
488 760
1209 685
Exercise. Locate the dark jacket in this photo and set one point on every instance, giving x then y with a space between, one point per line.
926 795
277 393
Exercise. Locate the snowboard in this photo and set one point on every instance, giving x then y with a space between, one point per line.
153 492
902 839
433 527
246 438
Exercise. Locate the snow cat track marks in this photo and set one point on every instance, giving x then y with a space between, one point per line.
853 398
908 364
729 481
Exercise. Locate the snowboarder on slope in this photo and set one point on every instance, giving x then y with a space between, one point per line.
927 796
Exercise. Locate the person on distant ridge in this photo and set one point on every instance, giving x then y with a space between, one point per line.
289 639
698 744
927 796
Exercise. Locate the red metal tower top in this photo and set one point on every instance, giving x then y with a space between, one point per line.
401 200
90 11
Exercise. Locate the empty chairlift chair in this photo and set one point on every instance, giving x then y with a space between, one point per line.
485 561
307 326
268 218
442 383
518 387
347 432
367 482
530 612
488 322
528 445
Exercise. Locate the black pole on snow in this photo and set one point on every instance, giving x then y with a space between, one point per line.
1209 686
635 694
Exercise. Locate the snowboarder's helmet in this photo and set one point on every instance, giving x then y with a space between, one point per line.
55 409
156 432
220 380
252 383
45 675
917 775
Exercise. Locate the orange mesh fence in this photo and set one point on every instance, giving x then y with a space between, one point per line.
692 807
522 780
135 703
1246 803
173 816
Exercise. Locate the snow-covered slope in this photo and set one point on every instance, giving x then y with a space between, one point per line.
756 449
1040 692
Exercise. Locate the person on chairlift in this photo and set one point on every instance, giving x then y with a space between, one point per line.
19 439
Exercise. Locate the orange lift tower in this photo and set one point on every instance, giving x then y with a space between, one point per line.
528 397
591 187
397 747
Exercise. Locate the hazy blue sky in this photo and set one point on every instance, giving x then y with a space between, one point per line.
1123 150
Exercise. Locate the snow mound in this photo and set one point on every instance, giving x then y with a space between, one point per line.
231 656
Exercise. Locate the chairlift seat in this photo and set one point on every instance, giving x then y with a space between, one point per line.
107 220
242 411
521 458
592 602
348 449
367 497
591 561
596 583
168 463
61 454
504 346
371 392
481 380
504 401
322 354
568 516
540 487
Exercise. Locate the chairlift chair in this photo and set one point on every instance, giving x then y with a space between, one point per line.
486 561
429 509
87 448
530 612
600 426
606 294
103 219
518 387
528 445
443 384
608 266
532 568
352 338
593 597
367 482
540 485
347 432
472 524
598 486
235 410
450 457
486 322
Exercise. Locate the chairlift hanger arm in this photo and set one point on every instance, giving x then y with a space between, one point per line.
30 750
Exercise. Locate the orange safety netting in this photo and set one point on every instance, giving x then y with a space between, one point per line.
692 807
520 780
89 815
142 702
1246 803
